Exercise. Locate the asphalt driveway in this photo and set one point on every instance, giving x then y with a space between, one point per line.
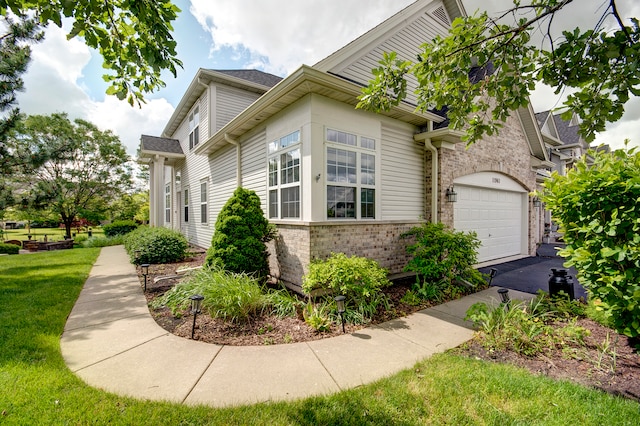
531 274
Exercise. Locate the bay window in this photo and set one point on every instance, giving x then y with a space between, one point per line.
284 177
351 176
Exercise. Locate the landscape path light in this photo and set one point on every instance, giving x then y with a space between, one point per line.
341 310
504 295
145 271
196 305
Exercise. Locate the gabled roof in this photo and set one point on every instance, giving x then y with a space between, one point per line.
250 80
567 132
255 76
151 146
303 81
548 128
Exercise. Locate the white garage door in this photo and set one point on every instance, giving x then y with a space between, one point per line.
495 215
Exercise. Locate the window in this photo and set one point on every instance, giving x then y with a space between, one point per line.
284 177
203 202
194 128
167 203
186 205
351 176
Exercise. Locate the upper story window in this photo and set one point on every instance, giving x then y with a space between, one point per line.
194 128
351 176
284 177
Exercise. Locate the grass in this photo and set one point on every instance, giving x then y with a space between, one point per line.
37 292
39 233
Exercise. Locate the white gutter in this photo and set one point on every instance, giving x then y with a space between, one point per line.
238 158
434 172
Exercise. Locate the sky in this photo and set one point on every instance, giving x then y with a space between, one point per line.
276 36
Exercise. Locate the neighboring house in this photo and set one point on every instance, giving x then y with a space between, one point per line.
336 179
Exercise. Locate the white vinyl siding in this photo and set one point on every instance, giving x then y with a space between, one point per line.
406 43
223 179
402 195
230 102
254 160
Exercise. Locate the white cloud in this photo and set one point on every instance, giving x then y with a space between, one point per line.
289 33
52 85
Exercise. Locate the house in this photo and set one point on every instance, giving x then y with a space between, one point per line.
336 179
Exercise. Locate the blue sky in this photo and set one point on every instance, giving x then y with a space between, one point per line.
276 36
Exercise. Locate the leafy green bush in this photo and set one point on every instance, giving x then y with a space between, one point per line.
79 239
103 241
119 227
241 231
443 255
155 245
359 279
9 249
596 206
229 296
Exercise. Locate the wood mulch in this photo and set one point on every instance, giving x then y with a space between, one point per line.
615 370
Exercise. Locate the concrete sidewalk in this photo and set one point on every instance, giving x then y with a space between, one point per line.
111 342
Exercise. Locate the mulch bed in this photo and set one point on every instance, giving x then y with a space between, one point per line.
585 365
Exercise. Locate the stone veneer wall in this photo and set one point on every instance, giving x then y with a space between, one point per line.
297 245
507 153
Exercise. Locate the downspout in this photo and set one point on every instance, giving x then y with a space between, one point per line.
434 175
238 158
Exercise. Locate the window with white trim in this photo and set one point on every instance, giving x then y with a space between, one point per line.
203 202
167 203
194 128
186 205
351 176
284 177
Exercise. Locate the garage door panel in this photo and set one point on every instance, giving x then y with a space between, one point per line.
496 217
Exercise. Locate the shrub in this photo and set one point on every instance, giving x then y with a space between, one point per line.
359 279
596 205
441 259
9 249
119 227
241 231
229 296
103 241
155 245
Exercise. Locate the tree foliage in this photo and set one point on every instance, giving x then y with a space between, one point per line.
68 167
14 59
241 231
486 68
133 37
598 209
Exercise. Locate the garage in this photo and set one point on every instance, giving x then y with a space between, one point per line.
495 207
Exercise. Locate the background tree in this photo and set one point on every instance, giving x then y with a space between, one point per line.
14 59
597 209
133 37
486 68
85 167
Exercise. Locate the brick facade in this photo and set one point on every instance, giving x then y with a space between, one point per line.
507 153
297 245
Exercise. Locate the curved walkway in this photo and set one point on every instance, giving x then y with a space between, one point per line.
111 342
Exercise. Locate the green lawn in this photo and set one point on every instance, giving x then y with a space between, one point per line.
53 234
37 292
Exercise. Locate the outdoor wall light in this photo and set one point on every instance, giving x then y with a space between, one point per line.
504 295
341 310
196 304
452 196
145 271
536 202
